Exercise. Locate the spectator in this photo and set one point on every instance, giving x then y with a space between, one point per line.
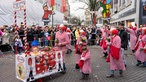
5 37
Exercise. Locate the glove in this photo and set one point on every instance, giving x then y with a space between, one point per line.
82 59
108 43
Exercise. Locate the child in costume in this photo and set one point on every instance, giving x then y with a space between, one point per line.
85 63
81 41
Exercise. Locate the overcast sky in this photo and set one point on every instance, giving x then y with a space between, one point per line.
74 8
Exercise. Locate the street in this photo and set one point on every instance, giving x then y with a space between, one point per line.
99 69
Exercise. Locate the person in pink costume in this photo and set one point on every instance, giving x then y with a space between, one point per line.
115 57
61 40
140 48
79 44
105 34
85 68
68 31
133 36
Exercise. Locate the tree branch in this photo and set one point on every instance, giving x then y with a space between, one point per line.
84 1
80 8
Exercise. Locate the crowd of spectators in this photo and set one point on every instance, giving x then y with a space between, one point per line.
7 35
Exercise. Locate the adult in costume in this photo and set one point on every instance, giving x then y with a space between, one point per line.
61 40
140 48
115 57
133 36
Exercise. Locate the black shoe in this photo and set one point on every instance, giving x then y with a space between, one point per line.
125 65
138 64
70 50
77 66
110 76
105 55
28 80
87 77
32 78
67 52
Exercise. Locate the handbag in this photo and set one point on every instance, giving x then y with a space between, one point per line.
78 49
81 63
104 45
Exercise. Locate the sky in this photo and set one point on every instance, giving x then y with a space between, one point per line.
74 9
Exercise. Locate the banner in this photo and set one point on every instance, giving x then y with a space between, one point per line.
35 66
51 3
19 5
63 6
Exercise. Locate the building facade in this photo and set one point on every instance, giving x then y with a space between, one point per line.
126 11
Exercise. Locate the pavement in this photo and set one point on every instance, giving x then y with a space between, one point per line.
99 69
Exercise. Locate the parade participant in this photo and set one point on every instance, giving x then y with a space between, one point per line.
124 40
85 64
140 53
133 35
61 40
69 45
81 41
115 57
105 33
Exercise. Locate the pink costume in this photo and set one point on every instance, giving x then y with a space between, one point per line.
69 45
105 34
63 39
78 56
86 56
140 54
115 57
133 37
